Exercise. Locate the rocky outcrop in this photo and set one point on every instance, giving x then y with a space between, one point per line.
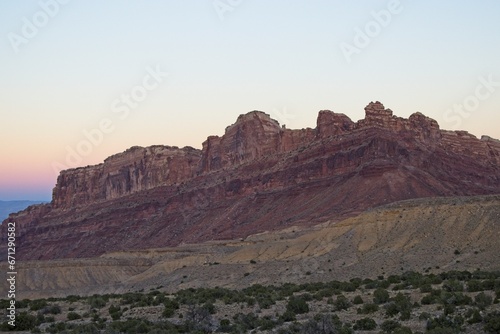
257 176
332 124
122 174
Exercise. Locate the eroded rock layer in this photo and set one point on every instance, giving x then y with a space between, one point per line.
257 176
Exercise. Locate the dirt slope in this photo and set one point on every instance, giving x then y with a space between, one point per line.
433 234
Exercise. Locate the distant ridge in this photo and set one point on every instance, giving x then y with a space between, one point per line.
8 207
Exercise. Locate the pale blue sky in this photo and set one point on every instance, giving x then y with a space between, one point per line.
281 57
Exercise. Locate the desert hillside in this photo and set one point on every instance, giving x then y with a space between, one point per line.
424 235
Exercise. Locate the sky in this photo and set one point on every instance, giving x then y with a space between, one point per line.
82 80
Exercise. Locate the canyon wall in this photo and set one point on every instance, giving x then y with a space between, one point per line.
257 176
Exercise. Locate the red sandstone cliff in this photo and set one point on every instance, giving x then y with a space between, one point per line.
257 176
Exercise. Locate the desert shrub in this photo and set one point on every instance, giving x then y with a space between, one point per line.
115 312
394 279
171 305
288 316
449 309
399 304
113 309
380 296
324 293
245 322
297 305
454 298
389 326
132 326
444 323
266 323
73 316
131 298
433 279
368 308
22 303
474 316
73 298
453 285
265 301
356 281
482 300
492 322
323 324
425 288
49 319
56 328
96 301
349 286
474 285
38 304
402 330
489 284
391 310
456 275
288 289
412 279
200 318
341 303
365 324
357 300
384 284
225 326
209 307
24 322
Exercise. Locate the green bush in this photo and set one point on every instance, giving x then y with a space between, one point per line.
453 285
171 305
394 279
357 300
483 300
400 304
115 312
428 300
38 304
425 288
245 322
365 324
297 305
474 317
96 301
73 298
389 326
73 316
492 322
368 308
341 303
225 326
380 296
24 321
444 323
56 328
288 316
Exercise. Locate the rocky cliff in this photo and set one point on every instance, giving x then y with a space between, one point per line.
257 176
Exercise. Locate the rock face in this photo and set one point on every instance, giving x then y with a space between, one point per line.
257 176
125 173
